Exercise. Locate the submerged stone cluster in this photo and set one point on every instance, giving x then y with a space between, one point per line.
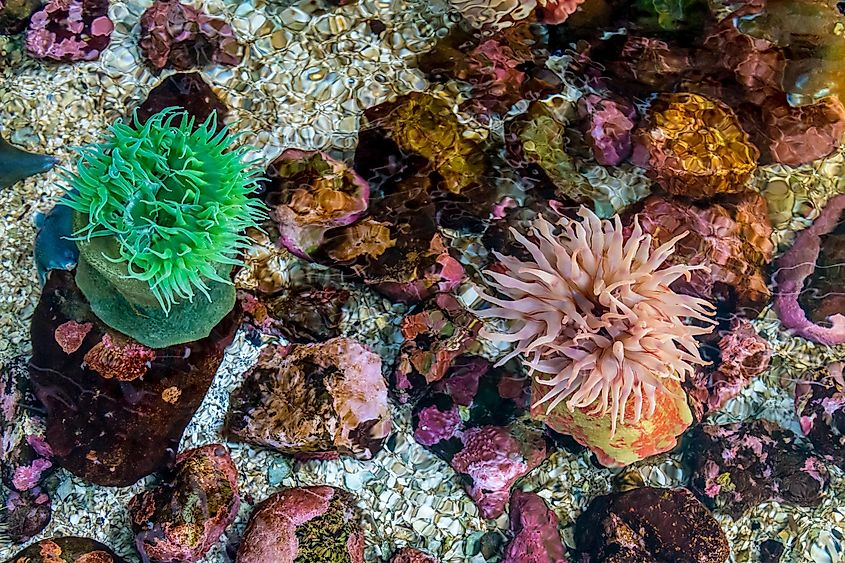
561 247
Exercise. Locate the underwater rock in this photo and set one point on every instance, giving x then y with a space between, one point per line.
732 239
187 90
608 126
411 555
304 524
309 193
66 549
116 409
820 407
534 528
632 441
498 70
800 135
743 354
27 513
738 466
299 315
53 249
808 279
14 15
650 524
69 30
314 401
470 419
650 63
432 338
180 520
182 37
17 164
771 551
694 146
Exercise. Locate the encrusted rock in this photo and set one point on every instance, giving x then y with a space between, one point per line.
299 315
116 409
650 524
70 30
732 239
432 339
470 418
820 407
314 400
535 535
27 513
608 124
694 146
181 519
737 466
411 555
182 37
66 549
304 524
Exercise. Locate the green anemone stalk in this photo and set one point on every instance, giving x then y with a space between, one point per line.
160 211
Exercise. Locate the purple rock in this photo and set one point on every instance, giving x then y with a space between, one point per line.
608 124
182 37
181 519
534 528
70 30
314 400
304 524
738 466
27 513
434 425
812 250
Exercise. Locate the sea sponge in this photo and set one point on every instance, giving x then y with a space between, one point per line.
160 210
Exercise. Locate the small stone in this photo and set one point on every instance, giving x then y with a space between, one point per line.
66 550
181 519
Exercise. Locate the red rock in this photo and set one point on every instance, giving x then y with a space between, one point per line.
304 524
187 90
535 535
312 400
181 519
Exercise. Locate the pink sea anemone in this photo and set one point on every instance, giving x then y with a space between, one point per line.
595 313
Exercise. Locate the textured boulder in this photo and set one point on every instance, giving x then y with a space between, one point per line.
632 441
116 409
66 550
432 338
304 524
314 400
738 466
471 419
649 524
535 535
411 555
181 37
181 519
69 30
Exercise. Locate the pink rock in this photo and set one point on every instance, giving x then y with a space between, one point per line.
608 125
434 425
534 528
557 11
69 30
181 520
182 37
494 459
411 555
314 400
803 134
797 265
70 335
304 524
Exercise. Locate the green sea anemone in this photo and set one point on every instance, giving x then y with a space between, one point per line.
160 210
